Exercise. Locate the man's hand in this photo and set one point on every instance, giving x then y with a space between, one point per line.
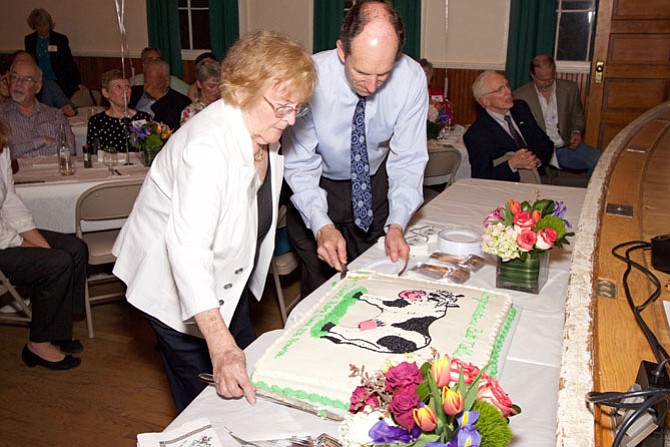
33 238
67 110
524 159
395 244
575 139
331 247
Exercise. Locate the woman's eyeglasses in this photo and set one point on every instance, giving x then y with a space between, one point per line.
284 111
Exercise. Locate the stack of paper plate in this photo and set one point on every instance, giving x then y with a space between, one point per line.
459 242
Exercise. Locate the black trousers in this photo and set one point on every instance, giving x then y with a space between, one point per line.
57 277
314 271
185 356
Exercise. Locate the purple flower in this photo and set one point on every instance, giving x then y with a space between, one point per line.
383 433
560 212
436 444
468 436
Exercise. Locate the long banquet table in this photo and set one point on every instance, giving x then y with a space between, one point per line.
51 197
530 373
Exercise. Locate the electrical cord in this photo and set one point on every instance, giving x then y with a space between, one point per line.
655 397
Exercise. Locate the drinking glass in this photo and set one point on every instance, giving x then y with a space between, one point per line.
109 158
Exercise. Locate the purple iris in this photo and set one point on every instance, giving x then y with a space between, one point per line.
383 433
560 212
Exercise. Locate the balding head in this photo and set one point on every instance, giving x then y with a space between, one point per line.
364 13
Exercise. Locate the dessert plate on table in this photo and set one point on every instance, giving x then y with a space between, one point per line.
386 266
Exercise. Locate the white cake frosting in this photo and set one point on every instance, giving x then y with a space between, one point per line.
368 319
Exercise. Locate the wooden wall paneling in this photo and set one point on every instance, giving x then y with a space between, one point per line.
460 91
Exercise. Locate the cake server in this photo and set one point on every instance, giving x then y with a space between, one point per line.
283 400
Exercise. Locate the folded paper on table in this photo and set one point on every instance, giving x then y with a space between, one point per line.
198 433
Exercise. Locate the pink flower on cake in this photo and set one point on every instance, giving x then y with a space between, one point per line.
403 377
546 239
361 398
412 295
492 392
425 418
526 240
402 408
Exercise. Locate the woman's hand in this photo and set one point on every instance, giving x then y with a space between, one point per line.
33 238
228 360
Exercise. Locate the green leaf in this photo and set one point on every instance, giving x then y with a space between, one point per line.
544 206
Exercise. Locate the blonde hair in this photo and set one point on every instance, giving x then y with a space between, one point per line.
263 58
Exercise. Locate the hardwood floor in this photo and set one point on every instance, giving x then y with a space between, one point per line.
119 390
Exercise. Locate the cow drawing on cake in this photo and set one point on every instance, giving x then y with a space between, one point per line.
402 324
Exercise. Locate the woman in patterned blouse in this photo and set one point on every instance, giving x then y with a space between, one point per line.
208 80
110 127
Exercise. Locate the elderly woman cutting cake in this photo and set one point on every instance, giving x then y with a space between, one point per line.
201 234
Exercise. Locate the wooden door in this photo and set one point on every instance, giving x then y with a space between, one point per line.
633 43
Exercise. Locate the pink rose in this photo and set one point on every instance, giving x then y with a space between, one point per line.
491 392
402 409
526 240
360 398
494 216
470 371
545 239
405 376
523 221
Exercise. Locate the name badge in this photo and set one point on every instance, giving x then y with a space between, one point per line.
52 48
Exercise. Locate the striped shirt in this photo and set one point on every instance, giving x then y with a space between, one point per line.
27 136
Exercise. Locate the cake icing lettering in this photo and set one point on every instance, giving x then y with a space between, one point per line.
402 324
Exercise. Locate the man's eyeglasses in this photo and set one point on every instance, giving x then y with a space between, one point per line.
17 78
499 89
284 111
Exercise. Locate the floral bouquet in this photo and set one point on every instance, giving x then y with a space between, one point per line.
515 229
148 137
440 113
521 235
445 403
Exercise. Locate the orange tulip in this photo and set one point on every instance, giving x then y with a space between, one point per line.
441 371
452 401
514 207
425 418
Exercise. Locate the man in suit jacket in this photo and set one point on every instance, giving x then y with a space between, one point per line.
490 136
556 106
156 97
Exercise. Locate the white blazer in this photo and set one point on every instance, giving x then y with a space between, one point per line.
14 216
189 243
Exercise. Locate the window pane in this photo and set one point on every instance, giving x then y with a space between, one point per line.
183 30
573 36
199 3
183 3
576 5
200 30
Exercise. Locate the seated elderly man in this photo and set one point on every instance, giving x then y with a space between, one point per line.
153 54
156 97
504 126
34 126
557 108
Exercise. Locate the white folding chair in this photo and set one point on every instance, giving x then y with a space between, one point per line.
86 97
443 162
16 306
106 201
283 264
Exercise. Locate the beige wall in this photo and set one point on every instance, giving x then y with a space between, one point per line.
476 38
91 25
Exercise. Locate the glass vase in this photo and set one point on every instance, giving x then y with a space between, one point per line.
528 275
149 153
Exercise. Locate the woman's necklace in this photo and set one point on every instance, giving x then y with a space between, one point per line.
258 155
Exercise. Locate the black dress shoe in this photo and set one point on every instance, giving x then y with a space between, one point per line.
31 360
69 346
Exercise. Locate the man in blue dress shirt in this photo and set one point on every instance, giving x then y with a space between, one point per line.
368 66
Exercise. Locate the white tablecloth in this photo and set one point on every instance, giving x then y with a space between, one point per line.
531 369
51 197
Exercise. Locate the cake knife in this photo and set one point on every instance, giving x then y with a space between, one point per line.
283 400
